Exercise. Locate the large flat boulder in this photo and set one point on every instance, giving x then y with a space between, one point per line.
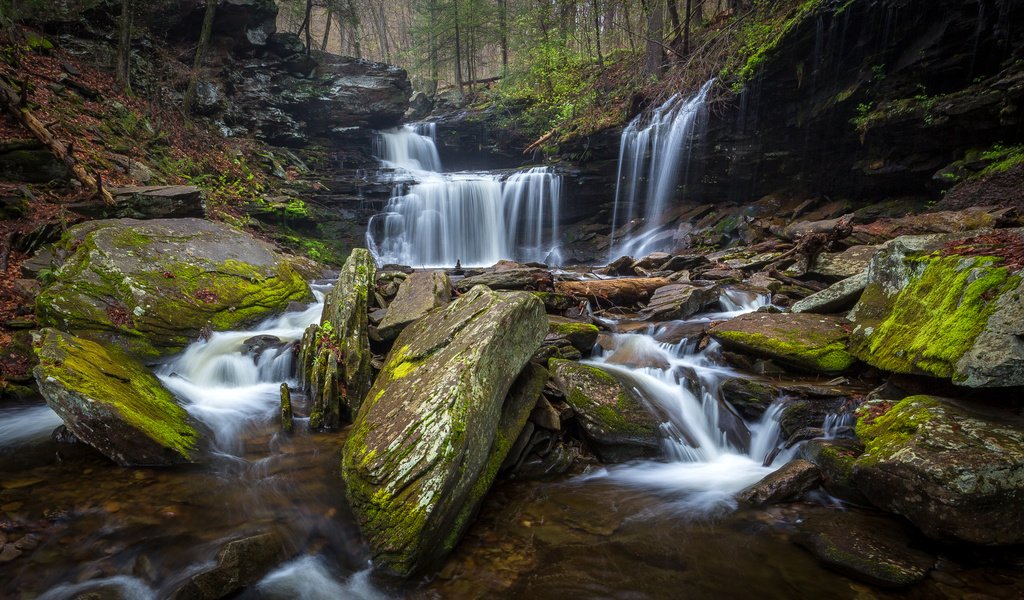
437 424
806 342
526 278
334 356
112 402
153 286
954 473
616 422
419 293
679 301
946 306
839 296
147 202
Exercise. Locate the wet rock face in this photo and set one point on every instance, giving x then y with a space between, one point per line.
793 480
436 426
955 474
112 402
615 422
806 342
945 306
153 286
240 563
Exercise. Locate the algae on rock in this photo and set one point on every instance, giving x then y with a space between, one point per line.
153 286
434 429
334 357
112 402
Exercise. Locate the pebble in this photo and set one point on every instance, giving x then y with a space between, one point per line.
9 553
112 506
27 543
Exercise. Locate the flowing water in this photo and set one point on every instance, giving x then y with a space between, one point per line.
653 157
437 219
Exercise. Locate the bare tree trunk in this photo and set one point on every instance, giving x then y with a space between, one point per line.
597 33
686 26
204 42
458 53
327 30
308 25
124 48
503 26
655 31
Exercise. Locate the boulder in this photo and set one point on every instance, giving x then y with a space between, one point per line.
852 261
147 202
835 298
954 473
615 421
434 429
631 291
334 356
509 279
789 483
750 398
110 401
581 336
834 459
30 161
417 294
806 342
679 301
946 306
240 563
153 286
872 548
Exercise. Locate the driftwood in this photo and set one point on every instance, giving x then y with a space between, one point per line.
629 291
15 103
810 245
540 142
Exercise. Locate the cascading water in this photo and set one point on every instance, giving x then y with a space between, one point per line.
713 453
473 218
652 153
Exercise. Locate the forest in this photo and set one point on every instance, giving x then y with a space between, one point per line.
434 299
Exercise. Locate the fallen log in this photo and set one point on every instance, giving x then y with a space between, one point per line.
16 105
627 291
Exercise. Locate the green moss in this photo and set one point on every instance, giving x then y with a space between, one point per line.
761 37
1001 159
571 328
936 318
107 375
819 355
886 431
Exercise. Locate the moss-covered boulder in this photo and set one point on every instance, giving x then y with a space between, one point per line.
616 422
946 306
418 293
153 286
955 474
431 434
112 402
334 356
806 342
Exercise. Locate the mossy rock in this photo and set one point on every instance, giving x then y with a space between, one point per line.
334 356
944 306
582 336
153 286
955 474
431 434
112 402
616 422
806 342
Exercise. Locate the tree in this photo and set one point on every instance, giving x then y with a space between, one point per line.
124 47
204 42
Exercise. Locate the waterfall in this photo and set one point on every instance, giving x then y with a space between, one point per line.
226 385
473 218
712 452
652 152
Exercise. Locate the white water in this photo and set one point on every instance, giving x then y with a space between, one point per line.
309 578
475 218
712 453
653 153
23 425
225 387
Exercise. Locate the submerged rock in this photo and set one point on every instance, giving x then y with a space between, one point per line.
110 401
945 306
334 358
871 548
807 342
955 474
615 421
434 429
153 286
417 294
240 563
